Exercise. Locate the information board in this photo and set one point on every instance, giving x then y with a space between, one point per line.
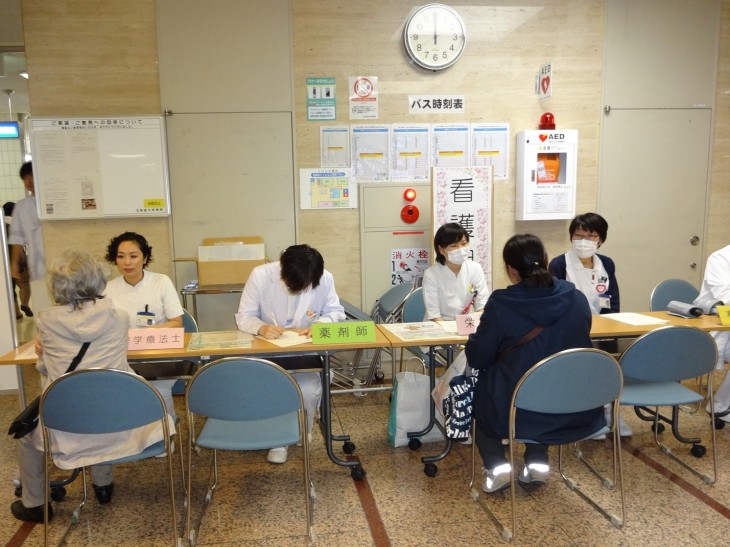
100 167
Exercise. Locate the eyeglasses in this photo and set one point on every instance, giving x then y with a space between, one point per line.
591 237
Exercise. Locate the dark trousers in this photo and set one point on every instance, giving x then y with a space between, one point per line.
492 451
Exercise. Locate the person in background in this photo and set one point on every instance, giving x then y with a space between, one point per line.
535 317
22 284
149 298
716 286
81 314
594 275
454 285
26 238
290 295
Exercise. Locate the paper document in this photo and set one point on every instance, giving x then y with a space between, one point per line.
424 330
28 353
286 341
219 340
635 319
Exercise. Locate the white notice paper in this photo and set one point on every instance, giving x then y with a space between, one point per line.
635 319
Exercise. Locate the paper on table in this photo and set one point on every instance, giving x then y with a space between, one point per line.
219 340
419 330
287 341
28 353
635 319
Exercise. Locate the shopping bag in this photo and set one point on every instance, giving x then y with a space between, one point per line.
442 389
409 409
26 421
457 407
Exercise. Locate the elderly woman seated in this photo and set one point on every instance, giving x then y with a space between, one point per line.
76 282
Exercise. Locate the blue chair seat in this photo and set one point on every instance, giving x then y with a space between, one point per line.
641 393
250 435
151 451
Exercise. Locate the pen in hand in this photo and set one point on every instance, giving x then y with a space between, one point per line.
471 302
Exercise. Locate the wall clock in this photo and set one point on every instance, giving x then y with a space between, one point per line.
434 36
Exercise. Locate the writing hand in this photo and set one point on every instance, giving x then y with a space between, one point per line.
270 332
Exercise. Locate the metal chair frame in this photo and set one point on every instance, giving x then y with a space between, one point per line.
572 380
654 366
234 395
93 401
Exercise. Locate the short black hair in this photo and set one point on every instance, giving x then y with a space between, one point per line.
26 169
590 222
8 208
448 234
113 247
526 254
301 267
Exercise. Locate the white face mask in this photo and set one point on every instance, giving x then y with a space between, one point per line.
584 248
458 256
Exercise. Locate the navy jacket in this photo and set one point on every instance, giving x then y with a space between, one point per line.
558 268
508 316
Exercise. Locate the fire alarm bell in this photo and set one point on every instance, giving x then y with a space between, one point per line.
409 214
409 194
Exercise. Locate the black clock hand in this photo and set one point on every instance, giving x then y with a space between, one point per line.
434 30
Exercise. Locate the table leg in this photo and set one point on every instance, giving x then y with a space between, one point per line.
356 470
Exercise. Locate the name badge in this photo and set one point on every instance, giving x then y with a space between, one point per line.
604 302
145 319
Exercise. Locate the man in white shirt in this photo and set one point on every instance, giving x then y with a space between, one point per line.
716 286
25 232
290 295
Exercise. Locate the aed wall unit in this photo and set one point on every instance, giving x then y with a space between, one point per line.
386 226
547 162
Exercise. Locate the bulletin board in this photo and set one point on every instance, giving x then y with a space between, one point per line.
100 167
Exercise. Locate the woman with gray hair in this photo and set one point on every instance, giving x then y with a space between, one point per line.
76 282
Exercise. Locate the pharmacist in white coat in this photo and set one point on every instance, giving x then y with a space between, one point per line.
716 286
290 295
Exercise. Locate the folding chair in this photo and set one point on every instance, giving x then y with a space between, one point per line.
248 404
94 401
387 309
573 380
414 310
653 367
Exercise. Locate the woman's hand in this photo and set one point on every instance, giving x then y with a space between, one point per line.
38 348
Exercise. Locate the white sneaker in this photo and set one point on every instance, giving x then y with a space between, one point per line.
534 472
278 455
496 479
623 428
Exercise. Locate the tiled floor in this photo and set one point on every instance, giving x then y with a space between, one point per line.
261 504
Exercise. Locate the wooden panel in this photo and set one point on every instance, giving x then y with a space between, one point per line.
660 53
226 56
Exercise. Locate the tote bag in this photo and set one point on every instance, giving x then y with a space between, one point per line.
409 409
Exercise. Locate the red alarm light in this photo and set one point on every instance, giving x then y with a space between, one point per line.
409 194
547 121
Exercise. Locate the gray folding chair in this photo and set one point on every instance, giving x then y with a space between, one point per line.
573 380
653 368
248 404
93 401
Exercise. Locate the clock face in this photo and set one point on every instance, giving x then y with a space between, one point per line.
434 36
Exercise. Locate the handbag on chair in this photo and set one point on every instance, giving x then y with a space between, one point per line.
27 420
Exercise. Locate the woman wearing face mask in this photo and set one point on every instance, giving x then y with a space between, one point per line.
455 284
594 275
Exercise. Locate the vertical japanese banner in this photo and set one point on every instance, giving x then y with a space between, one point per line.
464 195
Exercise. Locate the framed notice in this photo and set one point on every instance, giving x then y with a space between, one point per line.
100 167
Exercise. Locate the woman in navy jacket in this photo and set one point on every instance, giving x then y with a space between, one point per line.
536 299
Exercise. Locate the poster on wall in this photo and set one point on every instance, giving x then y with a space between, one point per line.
363 97
321 103
464 195
326 189
334 145
408 264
